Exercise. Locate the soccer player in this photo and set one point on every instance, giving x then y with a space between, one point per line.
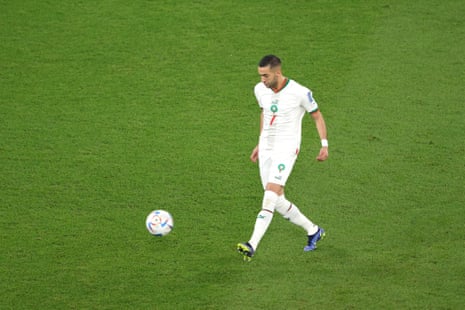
283 103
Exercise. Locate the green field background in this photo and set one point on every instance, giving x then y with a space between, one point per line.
111 109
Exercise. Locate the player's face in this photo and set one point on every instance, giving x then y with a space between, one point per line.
268 76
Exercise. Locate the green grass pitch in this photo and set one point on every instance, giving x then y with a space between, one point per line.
110 109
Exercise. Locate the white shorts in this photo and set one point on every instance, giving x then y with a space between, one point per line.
275 168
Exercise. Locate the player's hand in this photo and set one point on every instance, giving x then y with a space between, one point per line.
254 155
323 155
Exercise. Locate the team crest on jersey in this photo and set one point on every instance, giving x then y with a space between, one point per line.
310 96
274 106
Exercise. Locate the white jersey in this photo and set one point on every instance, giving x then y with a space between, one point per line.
282 116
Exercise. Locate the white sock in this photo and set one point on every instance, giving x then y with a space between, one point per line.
290 212
264 218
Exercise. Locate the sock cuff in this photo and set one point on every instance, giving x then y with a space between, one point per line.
283 204
271 195
270 199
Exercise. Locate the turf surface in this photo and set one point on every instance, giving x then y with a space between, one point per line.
111 109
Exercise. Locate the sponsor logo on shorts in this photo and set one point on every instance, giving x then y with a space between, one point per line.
281 167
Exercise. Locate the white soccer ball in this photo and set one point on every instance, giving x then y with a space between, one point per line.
159 223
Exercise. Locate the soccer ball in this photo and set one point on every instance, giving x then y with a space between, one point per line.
159 223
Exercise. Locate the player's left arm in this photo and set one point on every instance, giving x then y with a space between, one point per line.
321 128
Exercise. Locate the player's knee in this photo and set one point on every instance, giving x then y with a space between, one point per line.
276 188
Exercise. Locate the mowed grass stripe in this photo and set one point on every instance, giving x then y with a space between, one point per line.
400 158
107 116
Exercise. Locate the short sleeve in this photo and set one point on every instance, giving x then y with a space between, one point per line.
308 102
259 92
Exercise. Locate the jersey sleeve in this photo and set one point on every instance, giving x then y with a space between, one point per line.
307 100
258 91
